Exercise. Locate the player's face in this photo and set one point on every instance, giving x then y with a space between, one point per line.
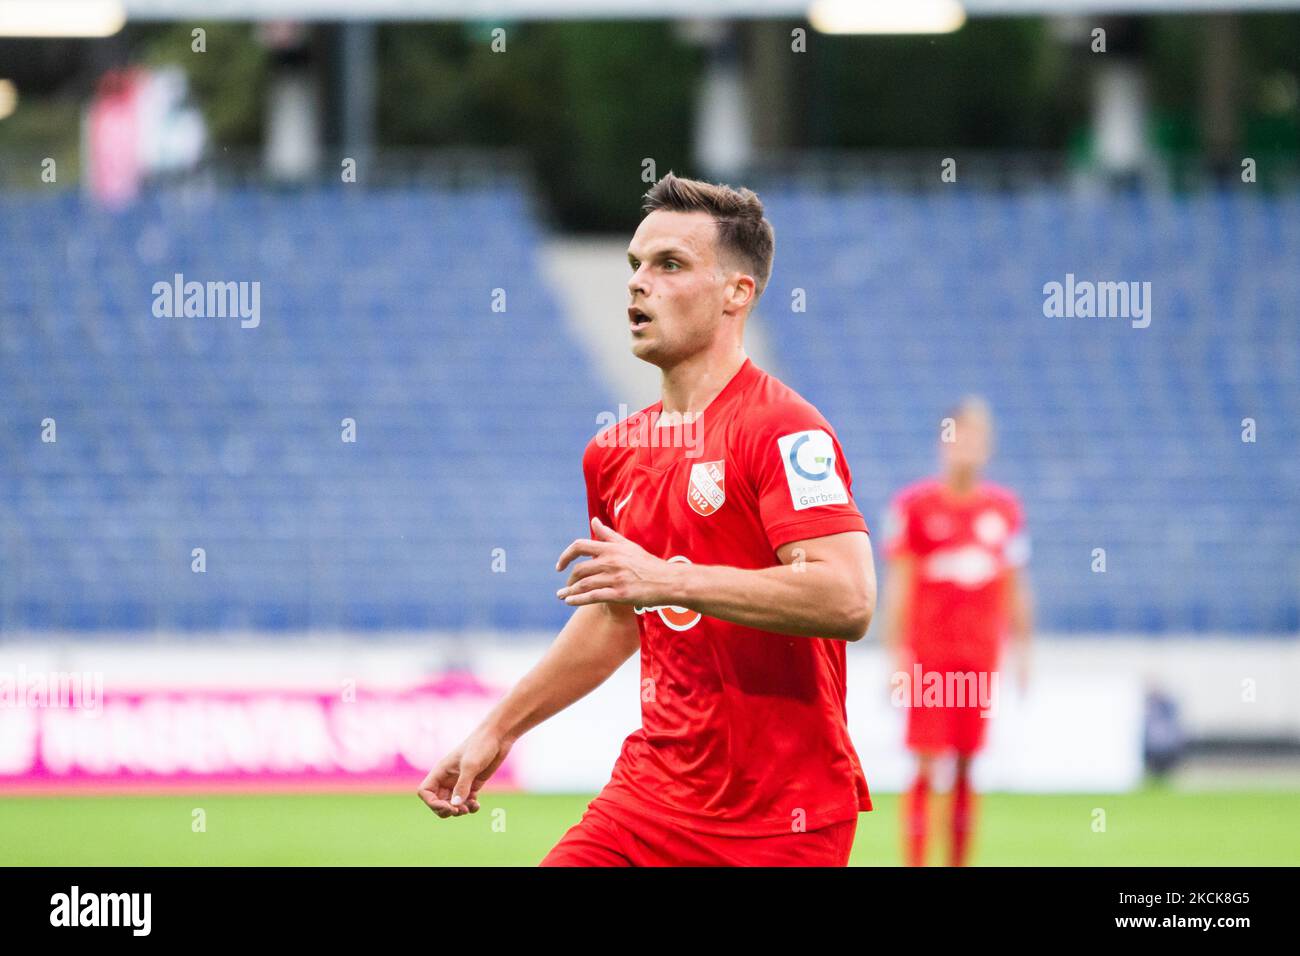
678 287
971 446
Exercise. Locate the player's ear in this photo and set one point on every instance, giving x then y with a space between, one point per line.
743 289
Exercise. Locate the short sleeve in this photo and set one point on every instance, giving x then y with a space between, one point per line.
1016 549
801 479
591 473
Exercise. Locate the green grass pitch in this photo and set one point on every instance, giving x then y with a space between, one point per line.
1150 827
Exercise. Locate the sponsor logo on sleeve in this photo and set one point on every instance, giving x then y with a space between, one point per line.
809 461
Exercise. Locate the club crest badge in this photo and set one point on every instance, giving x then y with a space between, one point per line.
706 493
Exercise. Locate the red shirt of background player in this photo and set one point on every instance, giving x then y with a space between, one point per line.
962 549
743 732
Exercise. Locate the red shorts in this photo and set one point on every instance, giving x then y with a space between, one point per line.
600 840
936 728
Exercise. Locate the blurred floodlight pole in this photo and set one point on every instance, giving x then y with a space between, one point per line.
723 138
357 91
1119 116
1120 99
293 128
1220 91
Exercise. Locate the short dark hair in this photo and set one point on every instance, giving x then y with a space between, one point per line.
743 231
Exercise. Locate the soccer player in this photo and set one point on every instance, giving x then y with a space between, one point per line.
734 559
956 546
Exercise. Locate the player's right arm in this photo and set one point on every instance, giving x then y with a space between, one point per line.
594 643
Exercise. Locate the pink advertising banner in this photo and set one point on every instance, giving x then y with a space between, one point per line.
253 739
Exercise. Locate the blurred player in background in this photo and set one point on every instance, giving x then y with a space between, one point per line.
738 566
956 547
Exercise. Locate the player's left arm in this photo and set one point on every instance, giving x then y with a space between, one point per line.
824 586
1020 607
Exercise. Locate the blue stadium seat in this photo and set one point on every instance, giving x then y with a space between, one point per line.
1115 437
182 433
178 433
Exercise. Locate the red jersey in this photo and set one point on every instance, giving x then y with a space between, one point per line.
743 732
962 549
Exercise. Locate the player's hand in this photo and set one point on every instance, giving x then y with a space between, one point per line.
620 572
451 788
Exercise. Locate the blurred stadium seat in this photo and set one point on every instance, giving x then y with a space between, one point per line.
198 433
1122 438
470 423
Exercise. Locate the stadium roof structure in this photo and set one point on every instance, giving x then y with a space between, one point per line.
633 9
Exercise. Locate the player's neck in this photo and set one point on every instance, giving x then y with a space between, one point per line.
690 385
961 484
